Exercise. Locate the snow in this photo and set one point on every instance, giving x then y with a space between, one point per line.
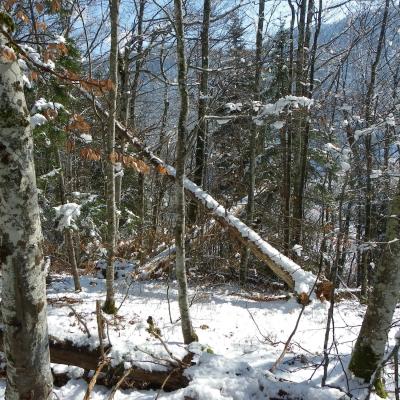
37 120
86 137
297 248
67 213
50 174
35 57
42 105
278 125
59 39
231 107
240 354
281 104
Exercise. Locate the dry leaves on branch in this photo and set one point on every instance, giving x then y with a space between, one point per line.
90 154
7 55
9 4
161 169
39 7
55 6
22 16
70 145
78 123
57 49
129 162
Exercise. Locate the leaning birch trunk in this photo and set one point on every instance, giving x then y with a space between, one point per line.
187 329
109 305
26 343
370 346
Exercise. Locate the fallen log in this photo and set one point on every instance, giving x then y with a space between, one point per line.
162 259
68 353
297 279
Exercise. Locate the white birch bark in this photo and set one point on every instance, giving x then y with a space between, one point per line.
23 278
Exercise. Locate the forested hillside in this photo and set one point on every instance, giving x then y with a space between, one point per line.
199 199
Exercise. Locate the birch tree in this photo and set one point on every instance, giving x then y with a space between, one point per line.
21 258
370 346
187 329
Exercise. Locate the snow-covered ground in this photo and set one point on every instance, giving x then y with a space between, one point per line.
243 338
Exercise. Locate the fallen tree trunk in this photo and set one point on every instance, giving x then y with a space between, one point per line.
68 353
296 278
299 280
162 259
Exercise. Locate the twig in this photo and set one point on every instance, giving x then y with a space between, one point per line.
266 338
119 383
379 368
156 335
285 348
164 383
169 304
125 296
80 320
93 381
100 327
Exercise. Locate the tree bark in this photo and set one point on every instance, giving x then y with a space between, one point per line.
21 258
370 346
109 305
201 130
187 329
68 237
253 138
366 256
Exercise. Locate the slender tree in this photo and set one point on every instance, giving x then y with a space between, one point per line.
187 329
253 136
201 131
26 345
109 305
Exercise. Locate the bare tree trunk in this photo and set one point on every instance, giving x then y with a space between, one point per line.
134 90
159 181
198 174
69 242
26 344
123 66
366 256
253 138
109 305
298 139
187 329
370 346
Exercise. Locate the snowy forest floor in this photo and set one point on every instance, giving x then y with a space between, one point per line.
245 338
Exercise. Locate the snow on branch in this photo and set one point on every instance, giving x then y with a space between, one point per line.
67 213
